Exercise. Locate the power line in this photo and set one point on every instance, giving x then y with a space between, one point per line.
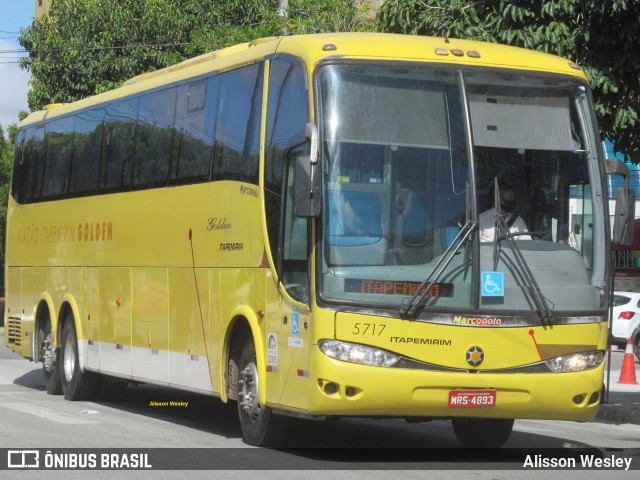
114 47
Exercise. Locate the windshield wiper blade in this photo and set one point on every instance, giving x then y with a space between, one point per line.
422 292
535 293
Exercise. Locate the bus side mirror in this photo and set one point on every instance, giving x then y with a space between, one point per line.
624 218
308 195
308 191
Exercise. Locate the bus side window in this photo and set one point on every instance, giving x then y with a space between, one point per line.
58 158
237 137
120 123
85 166
154 144
195 127
295 242
20 165
36 149
287 115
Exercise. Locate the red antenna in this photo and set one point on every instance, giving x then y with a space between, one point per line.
195 279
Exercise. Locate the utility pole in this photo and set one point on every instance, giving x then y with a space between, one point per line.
282 12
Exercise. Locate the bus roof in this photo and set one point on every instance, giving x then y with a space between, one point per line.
314 48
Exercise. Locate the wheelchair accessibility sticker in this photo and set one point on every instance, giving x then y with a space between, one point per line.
492 284
295 324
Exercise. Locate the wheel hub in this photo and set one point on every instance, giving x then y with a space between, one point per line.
48 357
69 360
249 390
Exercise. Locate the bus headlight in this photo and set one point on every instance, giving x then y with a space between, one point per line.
575 362
356 353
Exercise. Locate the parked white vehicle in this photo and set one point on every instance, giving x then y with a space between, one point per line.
626 320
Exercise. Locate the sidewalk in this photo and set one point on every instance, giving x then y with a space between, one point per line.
623 404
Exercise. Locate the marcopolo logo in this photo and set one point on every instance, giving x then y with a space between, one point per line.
475 356
477 321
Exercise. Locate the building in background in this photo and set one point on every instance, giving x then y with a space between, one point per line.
41 7
627 259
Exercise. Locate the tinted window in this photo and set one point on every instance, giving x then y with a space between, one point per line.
619 300
195 118
147 141
237 138
154 138
287 115
85 166
120 122
35 151
59 152
20 167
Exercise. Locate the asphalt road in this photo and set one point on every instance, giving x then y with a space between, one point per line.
359 448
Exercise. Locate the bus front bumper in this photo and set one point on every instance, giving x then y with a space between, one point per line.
345 389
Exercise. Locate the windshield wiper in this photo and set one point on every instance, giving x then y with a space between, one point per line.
544 312
542 307
422 292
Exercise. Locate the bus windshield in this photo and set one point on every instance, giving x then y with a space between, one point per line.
402 177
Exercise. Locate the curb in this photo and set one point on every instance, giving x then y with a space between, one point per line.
617 414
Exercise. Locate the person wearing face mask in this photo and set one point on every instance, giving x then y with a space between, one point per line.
514 223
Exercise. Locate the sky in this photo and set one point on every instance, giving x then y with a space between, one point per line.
14 82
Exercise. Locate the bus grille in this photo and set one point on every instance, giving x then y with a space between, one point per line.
14 331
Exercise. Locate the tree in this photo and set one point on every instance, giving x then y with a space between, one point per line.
601 35
7 148
6 161
83 47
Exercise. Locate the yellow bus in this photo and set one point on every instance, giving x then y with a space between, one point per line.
294 224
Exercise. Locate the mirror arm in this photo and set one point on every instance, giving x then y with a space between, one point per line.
624 217
311 132
615 167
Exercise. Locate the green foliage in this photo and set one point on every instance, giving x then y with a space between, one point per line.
83 47
601 35
326 16
6 161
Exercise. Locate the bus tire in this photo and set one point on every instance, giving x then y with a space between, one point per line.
76 385
260 426
49 356
482 432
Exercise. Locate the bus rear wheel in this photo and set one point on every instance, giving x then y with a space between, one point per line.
260 426
49 357
482 432
76 385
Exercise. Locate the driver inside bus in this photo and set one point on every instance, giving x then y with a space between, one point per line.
514 222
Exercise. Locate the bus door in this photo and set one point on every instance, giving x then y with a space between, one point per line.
295 326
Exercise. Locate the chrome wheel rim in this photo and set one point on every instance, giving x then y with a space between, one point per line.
48 353
249 391
69 360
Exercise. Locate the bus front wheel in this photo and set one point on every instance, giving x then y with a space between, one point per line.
76 385
260 426
482 432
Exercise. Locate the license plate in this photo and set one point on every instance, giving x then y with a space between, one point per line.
472 398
